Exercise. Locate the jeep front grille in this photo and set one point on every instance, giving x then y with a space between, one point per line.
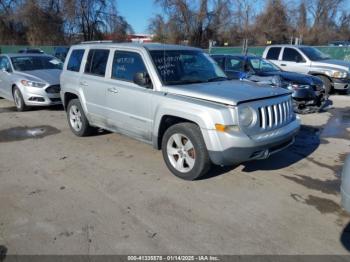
275 115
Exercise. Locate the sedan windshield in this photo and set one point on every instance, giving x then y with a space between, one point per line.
314 54
262 65
29 63
178 67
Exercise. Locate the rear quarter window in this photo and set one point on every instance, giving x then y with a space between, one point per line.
273 53
75 59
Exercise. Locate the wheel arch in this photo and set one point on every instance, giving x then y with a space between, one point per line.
315 73
67 97
167 121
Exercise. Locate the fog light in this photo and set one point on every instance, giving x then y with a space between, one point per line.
36 99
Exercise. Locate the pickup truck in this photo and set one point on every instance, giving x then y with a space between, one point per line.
177 99
335 74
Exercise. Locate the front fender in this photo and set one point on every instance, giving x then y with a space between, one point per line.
204 114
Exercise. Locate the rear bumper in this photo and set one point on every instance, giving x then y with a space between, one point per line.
341 84
229 149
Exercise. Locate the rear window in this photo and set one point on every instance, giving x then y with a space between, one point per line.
273 53
96 62
75 60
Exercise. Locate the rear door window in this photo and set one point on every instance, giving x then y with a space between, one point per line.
219 60
75 60
126 65
97 62
273 53
234 63
290 54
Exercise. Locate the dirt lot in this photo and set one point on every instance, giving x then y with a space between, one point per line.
109 194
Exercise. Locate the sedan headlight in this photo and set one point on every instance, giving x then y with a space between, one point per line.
32 83
246 116
339 74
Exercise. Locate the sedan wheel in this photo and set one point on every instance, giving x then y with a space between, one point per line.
18 99
181 153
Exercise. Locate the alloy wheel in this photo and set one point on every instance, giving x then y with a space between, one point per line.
75 118
181 152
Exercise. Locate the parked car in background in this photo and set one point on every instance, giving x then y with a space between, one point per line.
340 43
31 51
30 79
178 99
61 52
308 91
335 74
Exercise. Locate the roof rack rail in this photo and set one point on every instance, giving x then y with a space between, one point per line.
96 42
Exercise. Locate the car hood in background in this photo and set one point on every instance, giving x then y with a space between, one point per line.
332 63
51 76
295 78
227 92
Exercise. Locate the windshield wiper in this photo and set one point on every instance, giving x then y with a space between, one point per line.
218 78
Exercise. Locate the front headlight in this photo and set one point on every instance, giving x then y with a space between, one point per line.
276 81
296 87
32 83
339 74
246 116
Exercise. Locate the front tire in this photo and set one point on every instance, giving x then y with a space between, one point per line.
327 85
77 120
19 101
185 152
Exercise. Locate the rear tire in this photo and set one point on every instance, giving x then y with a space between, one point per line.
327 85
77 120
184 151
19 101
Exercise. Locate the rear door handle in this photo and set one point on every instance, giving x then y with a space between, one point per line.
82 83
112 90
283 65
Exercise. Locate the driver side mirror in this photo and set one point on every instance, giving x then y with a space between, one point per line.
143 79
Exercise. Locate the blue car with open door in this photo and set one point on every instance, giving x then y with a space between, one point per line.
308 91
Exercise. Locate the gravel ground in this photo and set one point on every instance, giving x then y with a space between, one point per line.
109 194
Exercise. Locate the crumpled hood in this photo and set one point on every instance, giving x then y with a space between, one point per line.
50 76
332 64
295 78
227 92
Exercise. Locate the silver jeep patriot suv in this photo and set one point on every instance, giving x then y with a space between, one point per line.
178 99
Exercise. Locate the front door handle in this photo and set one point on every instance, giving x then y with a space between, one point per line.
82 83
283 65
112 90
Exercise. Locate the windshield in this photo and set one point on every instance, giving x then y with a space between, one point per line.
314 54
262 65
177 67
29 63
